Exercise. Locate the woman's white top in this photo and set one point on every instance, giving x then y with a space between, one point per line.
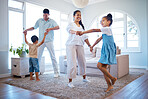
107 31
74 39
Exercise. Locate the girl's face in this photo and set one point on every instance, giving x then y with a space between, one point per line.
77 16
105 22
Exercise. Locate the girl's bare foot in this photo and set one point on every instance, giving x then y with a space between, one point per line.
37 79
109 88
113 81
32 78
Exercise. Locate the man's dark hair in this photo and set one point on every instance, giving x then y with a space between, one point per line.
46 11
34 38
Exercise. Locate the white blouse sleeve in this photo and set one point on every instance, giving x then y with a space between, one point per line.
106 30
69 27
84 37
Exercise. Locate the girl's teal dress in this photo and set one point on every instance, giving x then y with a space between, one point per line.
108 51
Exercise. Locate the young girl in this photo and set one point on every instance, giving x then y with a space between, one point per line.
75 50
108 51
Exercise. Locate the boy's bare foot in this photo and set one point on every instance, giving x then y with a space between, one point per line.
32 78
37 79
109 88
113 81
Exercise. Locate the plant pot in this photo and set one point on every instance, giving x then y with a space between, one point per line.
23 54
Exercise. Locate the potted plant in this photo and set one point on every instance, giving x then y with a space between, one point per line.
21 51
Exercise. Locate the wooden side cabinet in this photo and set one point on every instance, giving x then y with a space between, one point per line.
20 66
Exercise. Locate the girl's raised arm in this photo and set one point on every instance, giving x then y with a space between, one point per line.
90 31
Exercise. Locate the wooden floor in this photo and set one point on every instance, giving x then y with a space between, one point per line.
138 89
12 92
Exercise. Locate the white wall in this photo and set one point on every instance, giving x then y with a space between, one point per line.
147 30
3 37
135 8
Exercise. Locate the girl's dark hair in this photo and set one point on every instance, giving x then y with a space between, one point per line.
80 22
109 18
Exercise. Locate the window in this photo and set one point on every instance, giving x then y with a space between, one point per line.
24 15
33 13
125 31
16 21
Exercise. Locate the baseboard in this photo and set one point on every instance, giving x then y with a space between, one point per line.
139 67
5 75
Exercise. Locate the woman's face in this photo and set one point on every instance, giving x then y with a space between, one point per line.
77 16
105 22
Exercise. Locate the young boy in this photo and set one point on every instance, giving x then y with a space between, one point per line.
33 60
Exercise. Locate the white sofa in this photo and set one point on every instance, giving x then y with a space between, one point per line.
117 70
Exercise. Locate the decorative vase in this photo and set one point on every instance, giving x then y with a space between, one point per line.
23 54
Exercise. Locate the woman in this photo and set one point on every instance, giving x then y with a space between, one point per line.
75 50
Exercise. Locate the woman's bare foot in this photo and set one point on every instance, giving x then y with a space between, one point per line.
113 81
37 79
109 88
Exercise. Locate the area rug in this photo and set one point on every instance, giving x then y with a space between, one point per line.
57 87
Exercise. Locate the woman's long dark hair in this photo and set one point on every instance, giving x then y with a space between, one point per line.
80 22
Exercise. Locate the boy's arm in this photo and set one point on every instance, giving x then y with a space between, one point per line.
97 41
43 39
26 38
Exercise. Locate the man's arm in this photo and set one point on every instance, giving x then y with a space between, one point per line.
43 39
29 29
54 28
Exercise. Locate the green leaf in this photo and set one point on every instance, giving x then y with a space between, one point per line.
13 52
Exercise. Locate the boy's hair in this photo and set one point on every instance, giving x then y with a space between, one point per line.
34 38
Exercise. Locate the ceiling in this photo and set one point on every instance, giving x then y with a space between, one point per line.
90 1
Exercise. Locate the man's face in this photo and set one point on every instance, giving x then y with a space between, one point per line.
45 16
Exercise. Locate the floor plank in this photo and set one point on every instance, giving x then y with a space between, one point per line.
137 89
12 92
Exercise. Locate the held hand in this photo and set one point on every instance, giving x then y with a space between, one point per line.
81 33
48 30
25 32
91 48
78 32
45 33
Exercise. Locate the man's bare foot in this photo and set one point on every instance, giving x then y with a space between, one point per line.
113 81
109 88
37 79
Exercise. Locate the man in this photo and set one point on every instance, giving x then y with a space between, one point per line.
46 24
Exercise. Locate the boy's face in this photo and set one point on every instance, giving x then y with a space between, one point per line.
36 42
